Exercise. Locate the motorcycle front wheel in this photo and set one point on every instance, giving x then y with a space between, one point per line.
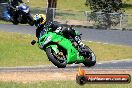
14 21
90 60
30 20
58 61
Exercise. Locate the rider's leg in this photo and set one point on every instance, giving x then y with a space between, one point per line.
38 31
79 41
37 35
71 32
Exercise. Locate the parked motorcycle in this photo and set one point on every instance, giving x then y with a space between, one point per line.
61 51
20 14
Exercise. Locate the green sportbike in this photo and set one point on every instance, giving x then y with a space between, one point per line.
62 51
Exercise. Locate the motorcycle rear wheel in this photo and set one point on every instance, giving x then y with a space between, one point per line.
52 57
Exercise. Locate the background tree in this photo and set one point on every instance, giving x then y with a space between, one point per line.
52 4
104 7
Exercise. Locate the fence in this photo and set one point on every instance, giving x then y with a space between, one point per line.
112 20
62 15
96 19
70 17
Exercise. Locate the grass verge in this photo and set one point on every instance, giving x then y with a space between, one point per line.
4 22
78 5
60 84
16 50
61 4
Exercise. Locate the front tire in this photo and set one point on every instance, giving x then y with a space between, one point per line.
30 20
91 59
54 59
14 21
89 62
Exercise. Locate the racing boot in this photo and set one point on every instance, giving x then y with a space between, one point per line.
82 47
79 42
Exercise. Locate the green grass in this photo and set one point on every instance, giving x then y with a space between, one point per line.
60 84
4 22
128 6
77 5
70 15
62 4
108 52
16 50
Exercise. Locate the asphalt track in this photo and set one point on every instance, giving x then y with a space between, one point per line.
105 36
103 66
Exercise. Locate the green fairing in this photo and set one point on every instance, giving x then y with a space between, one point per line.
72 53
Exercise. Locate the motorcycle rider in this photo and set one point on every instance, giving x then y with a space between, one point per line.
40 22
12 7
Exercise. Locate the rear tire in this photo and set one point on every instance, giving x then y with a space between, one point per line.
53 59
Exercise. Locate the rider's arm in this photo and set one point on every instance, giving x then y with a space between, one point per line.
52 25
56 27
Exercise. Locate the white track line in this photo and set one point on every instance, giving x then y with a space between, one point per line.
115 61
104 43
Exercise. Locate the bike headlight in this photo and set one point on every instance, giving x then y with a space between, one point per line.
47 40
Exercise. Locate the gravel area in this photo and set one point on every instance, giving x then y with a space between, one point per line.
27 77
